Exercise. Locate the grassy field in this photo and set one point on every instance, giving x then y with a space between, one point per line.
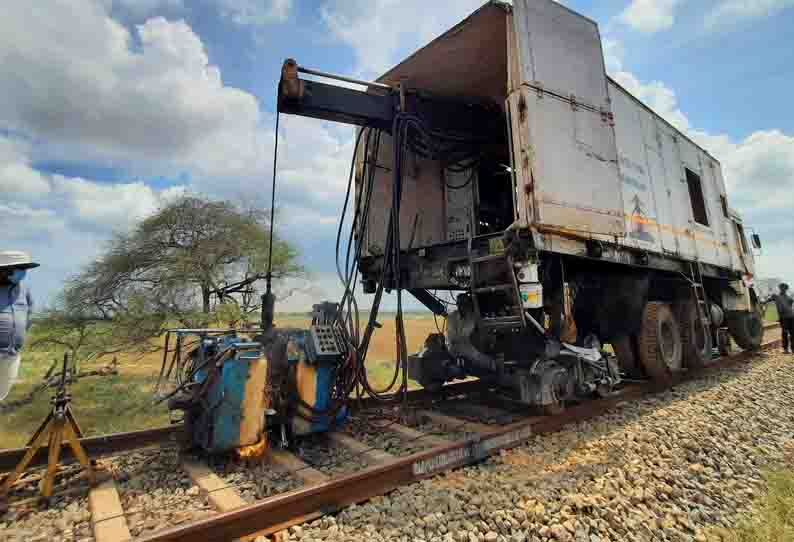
123 402
772 516
771 313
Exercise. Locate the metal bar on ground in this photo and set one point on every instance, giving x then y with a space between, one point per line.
222 497
287 461
93 446
107 516
119 442
373 456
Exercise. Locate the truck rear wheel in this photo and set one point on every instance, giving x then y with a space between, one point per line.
746 328
625 351
660 342
695 337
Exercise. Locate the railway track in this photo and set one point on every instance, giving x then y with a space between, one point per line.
377 451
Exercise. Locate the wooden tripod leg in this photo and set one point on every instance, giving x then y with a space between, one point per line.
39 437
56 436
72 436
42 430
73 421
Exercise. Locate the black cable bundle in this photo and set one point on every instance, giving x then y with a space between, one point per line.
456 153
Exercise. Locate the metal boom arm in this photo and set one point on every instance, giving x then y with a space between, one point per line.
377 107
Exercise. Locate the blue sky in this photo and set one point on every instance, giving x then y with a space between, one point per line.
109 106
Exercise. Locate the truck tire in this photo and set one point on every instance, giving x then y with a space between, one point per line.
660 346
626 354
695 337
747 329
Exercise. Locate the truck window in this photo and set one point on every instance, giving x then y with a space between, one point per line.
696 197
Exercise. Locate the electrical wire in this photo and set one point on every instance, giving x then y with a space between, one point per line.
409 134
269 276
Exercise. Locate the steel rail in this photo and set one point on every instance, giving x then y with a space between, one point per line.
103 445
98 446
276 513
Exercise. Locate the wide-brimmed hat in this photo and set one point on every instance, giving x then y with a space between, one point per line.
16 259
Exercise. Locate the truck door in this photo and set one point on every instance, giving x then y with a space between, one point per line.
675 180
560 109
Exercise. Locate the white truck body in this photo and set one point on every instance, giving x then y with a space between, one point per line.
589 160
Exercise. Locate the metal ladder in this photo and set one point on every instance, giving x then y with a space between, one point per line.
485 250
696 282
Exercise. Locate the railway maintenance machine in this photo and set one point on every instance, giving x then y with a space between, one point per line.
506 182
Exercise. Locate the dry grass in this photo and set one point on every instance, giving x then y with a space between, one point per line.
123 402
772 518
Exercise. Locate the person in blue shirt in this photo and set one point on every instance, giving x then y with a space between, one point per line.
16 306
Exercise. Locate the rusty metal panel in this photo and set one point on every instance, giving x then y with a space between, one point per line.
654 158
422 220
646 202
470 59
564 142
674 177
572 160
560 50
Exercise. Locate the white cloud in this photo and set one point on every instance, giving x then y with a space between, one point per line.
79 202
74 79
157 109
87 91
649 15
62 220
255 12
109 206
16 174
657 96
378 30
728 12
776 261
21 222
613 54
759 171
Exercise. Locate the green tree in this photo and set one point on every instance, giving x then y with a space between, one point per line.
191 255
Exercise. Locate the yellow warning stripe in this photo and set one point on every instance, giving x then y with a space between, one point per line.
676 231
696 236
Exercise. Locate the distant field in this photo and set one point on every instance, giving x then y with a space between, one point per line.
123 402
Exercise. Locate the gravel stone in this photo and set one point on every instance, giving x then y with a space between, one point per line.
328 459
667 467
158 493
377 435
61 521
254 480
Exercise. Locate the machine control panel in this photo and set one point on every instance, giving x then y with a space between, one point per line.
325 343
